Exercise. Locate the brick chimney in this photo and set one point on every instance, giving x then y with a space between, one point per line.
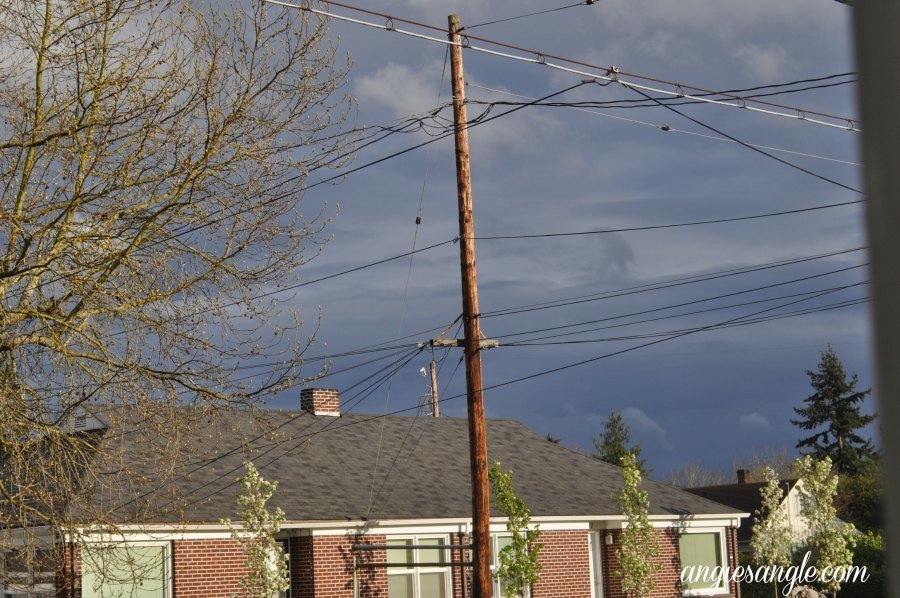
321 401
742 476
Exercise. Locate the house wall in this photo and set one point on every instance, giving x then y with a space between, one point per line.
71 571
460 574
565 557
566 571
210 568
668 576
322 567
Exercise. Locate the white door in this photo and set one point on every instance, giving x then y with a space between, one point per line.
596 565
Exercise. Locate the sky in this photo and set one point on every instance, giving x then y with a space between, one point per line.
711 397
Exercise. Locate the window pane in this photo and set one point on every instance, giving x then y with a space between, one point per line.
124 572
432 585
400 586
395 555
698 550
431 555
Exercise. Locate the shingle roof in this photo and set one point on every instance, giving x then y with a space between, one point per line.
324 468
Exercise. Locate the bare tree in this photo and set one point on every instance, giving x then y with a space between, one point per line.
693 475
152 157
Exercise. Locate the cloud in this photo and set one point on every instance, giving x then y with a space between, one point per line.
401 88
765 63
754 421
640 422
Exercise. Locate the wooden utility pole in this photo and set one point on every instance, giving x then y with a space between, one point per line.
481 496
435 401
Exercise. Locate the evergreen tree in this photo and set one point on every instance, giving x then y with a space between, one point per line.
613 443
835 406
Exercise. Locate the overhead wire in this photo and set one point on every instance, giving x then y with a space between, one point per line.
666 128
668 317
186 229
747 145
609 73
379 377
676 282
304 438
403 309
806 311
308 437
566 367
631 104
672 225
530 14
694 302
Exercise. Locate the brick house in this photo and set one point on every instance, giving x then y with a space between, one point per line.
353 480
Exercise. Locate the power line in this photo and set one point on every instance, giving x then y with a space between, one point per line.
663 285
665 127
630 104
365 393
747 145
686 303
553 370
664 226
298 285
611 73
674 336
305 439
807 311
659 318
531 14
403 308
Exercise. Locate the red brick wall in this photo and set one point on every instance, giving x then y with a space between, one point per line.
668 576
301 565
207 568
329 574
566 559
71 570
318 400
460 573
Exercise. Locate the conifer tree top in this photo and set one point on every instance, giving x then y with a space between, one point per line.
833 413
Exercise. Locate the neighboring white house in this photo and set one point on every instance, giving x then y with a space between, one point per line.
745 496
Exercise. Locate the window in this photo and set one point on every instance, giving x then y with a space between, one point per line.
703 550
498 543
28 572
426 574
132 570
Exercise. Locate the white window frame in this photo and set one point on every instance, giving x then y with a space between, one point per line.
595 552
167 558
416 539
723 546
495 563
